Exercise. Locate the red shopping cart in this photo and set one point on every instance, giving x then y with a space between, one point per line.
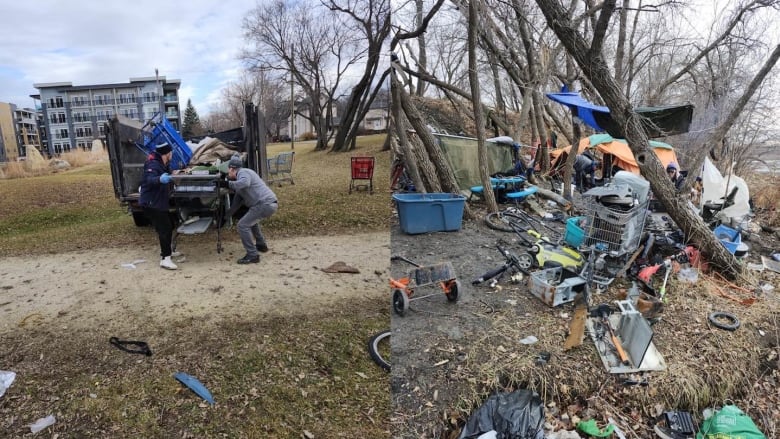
362 169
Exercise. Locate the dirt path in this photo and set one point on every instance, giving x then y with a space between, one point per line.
88 289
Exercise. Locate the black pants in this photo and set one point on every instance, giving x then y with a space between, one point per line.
162 223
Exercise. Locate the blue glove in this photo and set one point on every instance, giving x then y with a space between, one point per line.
165 178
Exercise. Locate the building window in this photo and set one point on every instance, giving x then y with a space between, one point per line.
66 147
84 132
101 129
62 133
126 98
56 102
150 97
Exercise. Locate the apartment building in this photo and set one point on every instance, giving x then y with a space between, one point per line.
73 116
27 135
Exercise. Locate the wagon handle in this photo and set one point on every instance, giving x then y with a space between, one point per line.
401 258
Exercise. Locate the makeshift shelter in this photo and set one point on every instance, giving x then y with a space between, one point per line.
622 156
657 121
461 154
715 187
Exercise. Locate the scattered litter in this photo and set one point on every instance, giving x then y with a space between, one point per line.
776 256
489 435
755 267
724 320
529 340
195 385
512 302
542 358
6 379
42 423
519 414
590 428
690 275
132 265
340 267
771 264
133 347
618 432
730 421
767 288
564 434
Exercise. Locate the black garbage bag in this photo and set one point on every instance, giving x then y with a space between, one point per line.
515 415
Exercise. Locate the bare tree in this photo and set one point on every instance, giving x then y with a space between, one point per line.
370 22
479 120
312 44
595 68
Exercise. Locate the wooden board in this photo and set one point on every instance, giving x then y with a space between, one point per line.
577 328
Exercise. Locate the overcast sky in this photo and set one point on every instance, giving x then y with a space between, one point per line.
88 42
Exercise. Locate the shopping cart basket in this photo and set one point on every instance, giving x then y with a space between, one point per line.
362 169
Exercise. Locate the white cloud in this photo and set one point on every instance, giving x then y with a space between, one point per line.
87 42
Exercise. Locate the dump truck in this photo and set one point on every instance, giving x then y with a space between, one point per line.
197 200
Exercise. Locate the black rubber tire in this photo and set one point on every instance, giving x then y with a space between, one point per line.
400 302
493 220
715 316
452 296
526 261
373 349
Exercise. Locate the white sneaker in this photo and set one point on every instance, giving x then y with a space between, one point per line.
167 263
176 254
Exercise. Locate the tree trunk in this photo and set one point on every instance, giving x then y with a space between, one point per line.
596 69
479 120
410 160
442 169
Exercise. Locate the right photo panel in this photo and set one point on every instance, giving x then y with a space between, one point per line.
583 236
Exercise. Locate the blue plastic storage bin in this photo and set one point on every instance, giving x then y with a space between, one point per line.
574 235
730 238
423 213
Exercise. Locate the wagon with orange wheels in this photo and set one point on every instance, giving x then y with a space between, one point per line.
441 275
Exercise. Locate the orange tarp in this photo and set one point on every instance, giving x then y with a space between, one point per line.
622 155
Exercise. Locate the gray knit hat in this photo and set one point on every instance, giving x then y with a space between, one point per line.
236 162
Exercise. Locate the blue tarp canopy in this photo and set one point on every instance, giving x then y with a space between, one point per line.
657 121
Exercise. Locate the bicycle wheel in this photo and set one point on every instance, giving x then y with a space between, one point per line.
530 222
498 221
379 349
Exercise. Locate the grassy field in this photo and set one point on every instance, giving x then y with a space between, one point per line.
306 375
64 211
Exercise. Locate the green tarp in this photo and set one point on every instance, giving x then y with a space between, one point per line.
461 154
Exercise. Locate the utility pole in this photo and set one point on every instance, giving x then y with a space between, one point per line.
159 90
292 102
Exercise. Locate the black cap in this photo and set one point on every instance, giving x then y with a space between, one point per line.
163 148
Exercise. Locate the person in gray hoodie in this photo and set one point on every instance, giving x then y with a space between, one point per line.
252 192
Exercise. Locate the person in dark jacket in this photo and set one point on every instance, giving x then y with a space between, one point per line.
585 172
155 199
677 177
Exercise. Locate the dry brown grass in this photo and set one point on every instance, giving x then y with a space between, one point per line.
765 191
705 365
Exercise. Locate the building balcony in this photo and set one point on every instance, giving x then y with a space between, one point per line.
172 114
99 102
80 103
171 98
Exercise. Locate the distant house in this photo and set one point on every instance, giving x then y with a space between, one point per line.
378 115
300 123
